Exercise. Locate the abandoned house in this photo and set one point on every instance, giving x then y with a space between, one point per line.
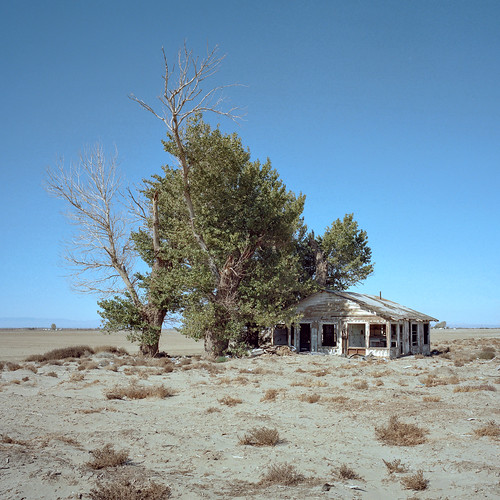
348 323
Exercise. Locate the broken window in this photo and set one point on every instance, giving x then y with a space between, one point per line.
414 334
292 336
394 334
378 336
426 333
329 338
356 335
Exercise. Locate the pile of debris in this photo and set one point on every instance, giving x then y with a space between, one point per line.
273 350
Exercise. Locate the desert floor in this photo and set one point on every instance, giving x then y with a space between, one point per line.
57 415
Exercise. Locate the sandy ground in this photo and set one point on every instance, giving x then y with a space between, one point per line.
54 414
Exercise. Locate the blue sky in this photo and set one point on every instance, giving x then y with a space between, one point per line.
388 109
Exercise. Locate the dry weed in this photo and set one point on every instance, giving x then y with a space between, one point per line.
119 351
491 429
260 436
431 399
139 392
129 490
31 368
361 384
473 388
63 353
284 474
212 409
8 440
397 433
309 398
12 367
487 353
270 395
415 482
345 472
395 467
338 399
107 457
229 401
76 377
433 381
51 374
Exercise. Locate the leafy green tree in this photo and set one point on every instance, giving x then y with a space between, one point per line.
53 326
342 257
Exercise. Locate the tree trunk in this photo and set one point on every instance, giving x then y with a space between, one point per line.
319 261
151 333
214 345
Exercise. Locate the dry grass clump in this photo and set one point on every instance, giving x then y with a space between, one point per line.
63 353
129 490
139 392
211 368
338 399
433 381
270 395
229 401
431 399
284 474
51 374
212 409
309 383
397 433
487 353
260 436
119 351
4 438
491 429
12 367
310 398
395 467
345 472
415 482
361 384
473 388
87 365
76 377
107 457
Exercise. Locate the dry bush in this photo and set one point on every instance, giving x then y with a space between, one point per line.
8 440
379 382
107 457
400 434
320 373
256 371
51 374
415 482
345 472
310 398
2 365
395 466
15 381
284 474
382 373
139 392
362 384
473 388
12 367
87 365
212 409
309 383
129 490
25 379
211 368
433 381
491 429
31 368
270 395
119 351
229 401
487 353
431 399
63 353
76 377
260 436
338 399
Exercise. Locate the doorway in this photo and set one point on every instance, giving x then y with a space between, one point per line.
305 337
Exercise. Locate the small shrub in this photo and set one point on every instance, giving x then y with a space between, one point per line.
4 438
338 399
415 482
229 401
487 353
139 392
284 474
270 395
25 379
473 388
310 398
107 457
361 385
433 381
397 433
51 374
31 368
345 472
395 466
431 399
12 367
262 436
491 429
213 409
119 351
76 377
129 490
63 353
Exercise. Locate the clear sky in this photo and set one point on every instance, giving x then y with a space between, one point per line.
388 109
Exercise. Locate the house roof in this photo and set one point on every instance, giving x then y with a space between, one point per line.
383 307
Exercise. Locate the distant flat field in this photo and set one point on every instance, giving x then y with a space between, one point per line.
15 345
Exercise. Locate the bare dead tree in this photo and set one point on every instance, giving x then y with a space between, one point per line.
101 255
183 97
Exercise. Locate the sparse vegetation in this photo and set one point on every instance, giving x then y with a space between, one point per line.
130 490
270 395
310 398
345 472
261 436
415 482
284 474
230 401
395 467
473 388
134 391
63 353
397 433
107 457
491 429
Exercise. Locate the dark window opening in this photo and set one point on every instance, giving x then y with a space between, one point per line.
329 336
292 336
394 335
414 334
426 333
378 336
305 337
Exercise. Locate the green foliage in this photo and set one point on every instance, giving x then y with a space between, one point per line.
348 256
441 324
53 326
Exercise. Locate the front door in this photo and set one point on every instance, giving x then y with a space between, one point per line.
356 340
305 337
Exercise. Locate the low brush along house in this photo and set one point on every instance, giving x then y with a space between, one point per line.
348 323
